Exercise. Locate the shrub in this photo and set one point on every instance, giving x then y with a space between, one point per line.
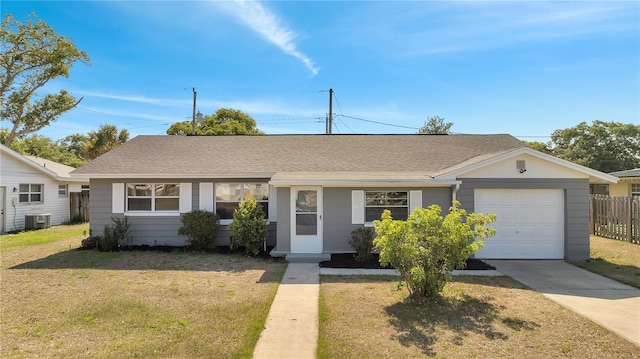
201 228
115 235
248 227
426 247
362 242
90 243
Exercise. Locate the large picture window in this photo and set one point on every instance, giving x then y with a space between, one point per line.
395 201
31 193
229 196
152 197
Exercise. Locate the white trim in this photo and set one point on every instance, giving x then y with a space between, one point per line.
357 207
154 176
415 200
360 183
206 196
117 198
152 214
186 199
593 174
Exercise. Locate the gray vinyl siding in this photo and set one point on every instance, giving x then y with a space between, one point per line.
153 230
337 225
283 240
576 206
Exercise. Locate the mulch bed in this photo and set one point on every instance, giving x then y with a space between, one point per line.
347 260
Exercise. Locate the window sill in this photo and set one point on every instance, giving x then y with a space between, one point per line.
226 222
152 214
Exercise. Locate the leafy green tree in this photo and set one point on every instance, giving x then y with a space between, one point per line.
604 146
44 147
248 227
426 247
32 54
225 121
540 146
104 140
435 125
75 144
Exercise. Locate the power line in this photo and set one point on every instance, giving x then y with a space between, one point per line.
380 123
337 102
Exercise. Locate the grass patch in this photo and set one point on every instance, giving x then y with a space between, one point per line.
614 259
477 317
60 302
42 236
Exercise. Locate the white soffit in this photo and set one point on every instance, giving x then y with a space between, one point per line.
537 164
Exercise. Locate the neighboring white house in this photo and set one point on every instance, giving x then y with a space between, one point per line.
35 187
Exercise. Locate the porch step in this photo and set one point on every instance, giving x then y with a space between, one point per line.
307 257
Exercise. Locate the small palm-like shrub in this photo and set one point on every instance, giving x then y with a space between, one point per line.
201 228
248 227
362 242
115 235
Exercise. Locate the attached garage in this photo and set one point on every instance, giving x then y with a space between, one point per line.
530 223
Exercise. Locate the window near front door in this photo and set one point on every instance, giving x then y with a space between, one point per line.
395 201
229 196
152 197
31 193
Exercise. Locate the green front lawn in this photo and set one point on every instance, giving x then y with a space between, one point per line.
61 302
614 259
477 317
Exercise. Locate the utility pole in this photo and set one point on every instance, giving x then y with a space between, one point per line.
330 111
193 120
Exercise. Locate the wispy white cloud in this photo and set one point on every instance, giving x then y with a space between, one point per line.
134 98
454 27
267 23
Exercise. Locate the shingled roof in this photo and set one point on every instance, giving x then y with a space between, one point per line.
263 156
628 173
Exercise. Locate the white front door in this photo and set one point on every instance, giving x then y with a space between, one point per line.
306 219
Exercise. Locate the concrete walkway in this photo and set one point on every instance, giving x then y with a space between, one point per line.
613 305
291 330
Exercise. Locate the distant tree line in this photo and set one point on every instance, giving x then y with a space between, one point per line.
604 146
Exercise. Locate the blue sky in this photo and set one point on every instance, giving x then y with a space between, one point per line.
526 68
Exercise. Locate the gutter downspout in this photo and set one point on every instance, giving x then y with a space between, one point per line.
454 193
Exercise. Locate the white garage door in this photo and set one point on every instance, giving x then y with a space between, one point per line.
530 223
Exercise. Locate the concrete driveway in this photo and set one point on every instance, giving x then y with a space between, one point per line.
611 304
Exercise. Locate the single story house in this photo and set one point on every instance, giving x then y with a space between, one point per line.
628 185
316 189
36 193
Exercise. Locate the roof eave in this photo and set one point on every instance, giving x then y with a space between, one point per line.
595 176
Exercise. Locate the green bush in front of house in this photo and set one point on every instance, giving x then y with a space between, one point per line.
362 242
201 228
248 228
426 247
115 235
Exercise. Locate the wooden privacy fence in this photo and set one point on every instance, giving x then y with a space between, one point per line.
79 206
616 217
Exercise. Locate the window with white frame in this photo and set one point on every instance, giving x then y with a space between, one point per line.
395 201
31 193
635 189
62 190
229 196
153 197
